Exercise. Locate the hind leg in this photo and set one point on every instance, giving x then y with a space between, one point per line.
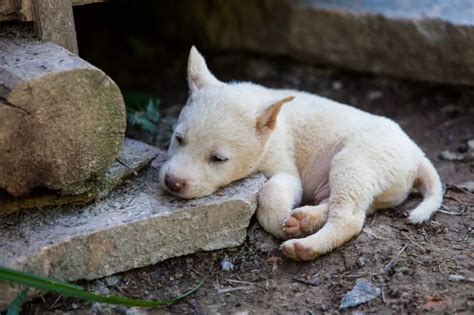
305 220
354 186
392 197
337 230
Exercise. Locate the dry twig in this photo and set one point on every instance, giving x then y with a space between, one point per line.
451 212
239 281
228 290
313 283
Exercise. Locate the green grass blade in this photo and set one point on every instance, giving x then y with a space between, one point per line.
74 291
15 307
7 272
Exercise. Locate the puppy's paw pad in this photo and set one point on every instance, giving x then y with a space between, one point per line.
292 227
302 221
297 251
288 250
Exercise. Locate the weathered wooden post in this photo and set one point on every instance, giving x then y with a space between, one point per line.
53 20
62 120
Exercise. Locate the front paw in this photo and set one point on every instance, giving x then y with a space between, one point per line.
291 227
296 250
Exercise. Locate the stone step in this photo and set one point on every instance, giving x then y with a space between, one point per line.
425 40
135 226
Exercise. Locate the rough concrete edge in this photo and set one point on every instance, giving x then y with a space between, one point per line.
221 239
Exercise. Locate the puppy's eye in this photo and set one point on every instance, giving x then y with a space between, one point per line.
179 139
218 159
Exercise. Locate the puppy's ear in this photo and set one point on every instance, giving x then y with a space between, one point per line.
199 75
266 120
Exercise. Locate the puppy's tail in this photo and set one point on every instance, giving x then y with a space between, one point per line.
430 187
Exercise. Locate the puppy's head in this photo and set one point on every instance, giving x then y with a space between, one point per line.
221 134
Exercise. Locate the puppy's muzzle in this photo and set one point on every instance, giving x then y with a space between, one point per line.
174 183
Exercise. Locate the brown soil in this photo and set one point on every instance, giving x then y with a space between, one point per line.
410 264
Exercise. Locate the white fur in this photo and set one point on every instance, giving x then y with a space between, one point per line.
318 152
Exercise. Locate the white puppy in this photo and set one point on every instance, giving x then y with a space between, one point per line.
337 161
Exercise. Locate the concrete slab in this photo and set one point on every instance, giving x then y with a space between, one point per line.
133 156
425 40
135 226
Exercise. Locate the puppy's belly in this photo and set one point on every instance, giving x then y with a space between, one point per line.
316 181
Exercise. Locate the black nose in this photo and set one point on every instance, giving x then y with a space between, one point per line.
174 183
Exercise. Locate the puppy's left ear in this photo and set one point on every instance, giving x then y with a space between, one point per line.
199 75
266 120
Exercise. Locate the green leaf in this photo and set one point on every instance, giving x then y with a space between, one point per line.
15 307
142 111
144 123
138 102
132 118
152 112
67 289
139 119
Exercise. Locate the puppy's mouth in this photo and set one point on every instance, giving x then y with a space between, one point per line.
180 194
187 192
184 194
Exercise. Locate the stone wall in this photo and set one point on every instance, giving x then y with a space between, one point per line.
429 40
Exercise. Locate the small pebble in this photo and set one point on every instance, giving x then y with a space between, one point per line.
227 265
456 278
336 85
360 262
361 293
405 295
374 95
102 289
470 145
452 156
112 281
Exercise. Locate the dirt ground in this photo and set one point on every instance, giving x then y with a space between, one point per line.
410 264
